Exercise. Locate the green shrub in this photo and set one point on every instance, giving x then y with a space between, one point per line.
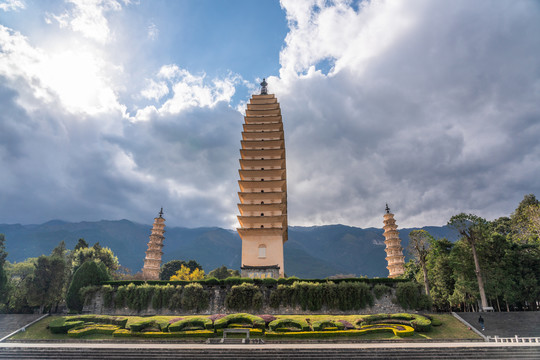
244 297
286 324
327 325
418 322
62 325
147 323
194 297
237 281
409 296
198 323
104 329
108 292
183 334
436 322
120 297
269 282
89 273
380 290
162 296
247 320
406 331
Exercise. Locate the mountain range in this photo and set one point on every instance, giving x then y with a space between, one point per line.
310 252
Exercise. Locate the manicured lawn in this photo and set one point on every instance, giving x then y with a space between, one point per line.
451 328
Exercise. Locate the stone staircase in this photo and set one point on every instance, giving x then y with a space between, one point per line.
268 352
506 324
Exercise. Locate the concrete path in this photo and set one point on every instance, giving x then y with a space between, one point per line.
12 322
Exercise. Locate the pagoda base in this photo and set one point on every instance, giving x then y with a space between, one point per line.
260 272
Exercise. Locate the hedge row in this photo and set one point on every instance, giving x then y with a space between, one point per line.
63 324
104 329
401 332
313 296
246 320
284 325
139 297
268 281
418 322
198 323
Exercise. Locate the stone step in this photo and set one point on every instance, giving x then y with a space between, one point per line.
273 353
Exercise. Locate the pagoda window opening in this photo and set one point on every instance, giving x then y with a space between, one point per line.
262 190
262 214
262 251
262 202
262 226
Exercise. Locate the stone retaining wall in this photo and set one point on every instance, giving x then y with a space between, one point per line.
217 296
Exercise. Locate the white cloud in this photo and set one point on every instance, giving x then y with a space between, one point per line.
11 5
155 90
77 78
188 91
426 105
88 18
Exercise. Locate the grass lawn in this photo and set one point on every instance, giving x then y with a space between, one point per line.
450 329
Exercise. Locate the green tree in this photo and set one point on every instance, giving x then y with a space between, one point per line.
419 249
45 285
222 273
3 275
526 220
89 273
473 230
81 244
441 272
95 253
170 268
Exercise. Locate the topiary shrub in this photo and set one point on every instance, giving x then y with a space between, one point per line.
105 329
62 325
89 273
284 325
418 322
327 325
149 323
246 320
244 297
197 323
194 297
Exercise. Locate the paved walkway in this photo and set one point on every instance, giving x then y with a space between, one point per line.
12 322
506 324
381 345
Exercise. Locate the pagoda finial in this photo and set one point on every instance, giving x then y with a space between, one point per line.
161 213
387 209
264 89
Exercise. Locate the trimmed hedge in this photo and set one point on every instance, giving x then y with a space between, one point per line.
194 297
327 325
104 329
278 324
139 326
247 320
418 322
62 324
313 296
406 331
182 334
380 290
237 281
198 323
244 297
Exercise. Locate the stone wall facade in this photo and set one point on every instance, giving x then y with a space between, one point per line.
217 295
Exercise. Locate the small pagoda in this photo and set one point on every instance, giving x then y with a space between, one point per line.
394 251
152 261
263 188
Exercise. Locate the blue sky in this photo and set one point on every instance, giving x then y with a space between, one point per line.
114 108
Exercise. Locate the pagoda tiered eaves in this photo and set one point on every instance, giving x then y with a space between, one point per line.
263 189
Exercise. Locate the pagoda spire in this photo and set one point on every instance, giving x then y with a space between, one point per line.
152 261
263 188
394 251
